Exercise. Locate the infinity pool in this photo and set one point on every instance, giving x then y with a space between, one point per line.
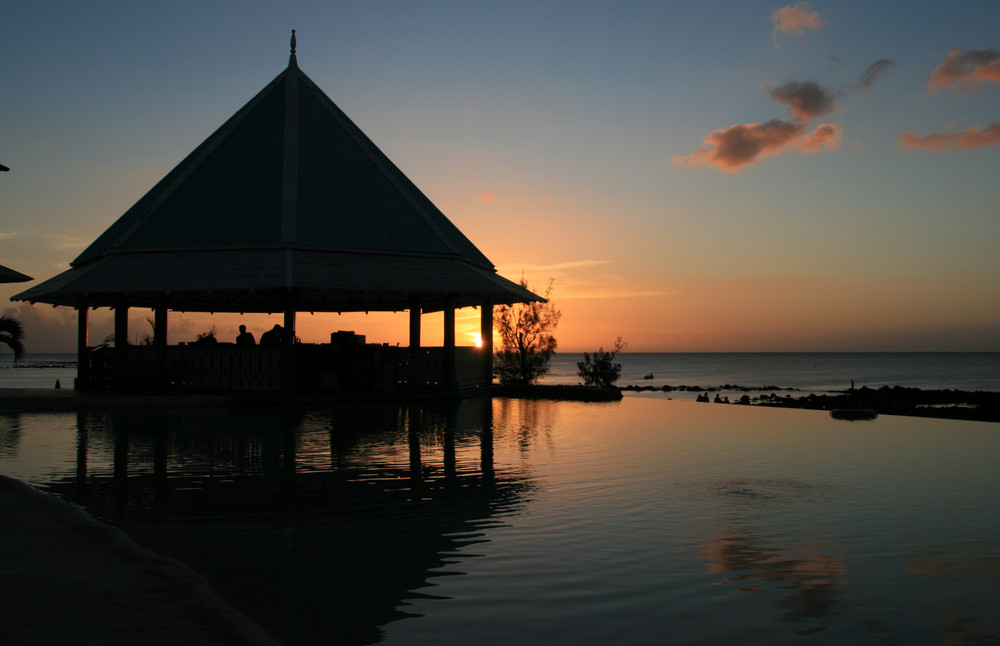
645 521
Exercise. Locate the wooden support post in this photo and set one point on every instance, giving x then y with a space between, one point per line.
83 373
450 380
415 326
118 379
160 326
486 336
288 347
121 327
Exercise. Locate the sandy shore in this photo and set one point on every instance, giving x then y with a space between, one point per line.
69 579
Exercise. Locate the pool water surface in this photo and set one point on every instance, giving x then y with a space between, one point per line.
644 521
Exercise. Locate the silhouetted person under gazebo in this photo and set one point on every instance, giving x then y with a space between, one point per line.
245 338
272 336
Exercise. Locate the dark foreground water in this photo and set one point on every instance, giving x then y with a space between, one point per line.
644 521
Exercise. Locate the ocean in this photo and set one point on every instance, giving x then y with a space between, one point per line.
38 370
808 372
816 372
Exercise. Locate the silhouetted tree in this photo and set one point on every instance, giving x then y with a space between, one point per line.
206 337
526 341
601 369
12 335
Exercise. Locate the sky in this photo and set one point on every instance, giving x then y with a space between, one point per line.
691 176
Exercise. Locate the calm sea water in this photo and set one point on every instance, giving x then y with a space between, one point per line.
808 371
37 371
644 521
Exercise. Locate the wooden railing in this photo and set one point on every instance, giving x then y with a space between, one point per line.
224 367
317 368
424 367
470 367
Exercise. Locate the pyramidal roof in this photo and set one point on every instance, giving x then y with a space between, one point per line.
288 195
289 151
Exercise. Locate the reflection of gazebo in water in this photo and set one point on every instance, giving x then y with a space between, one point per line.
313 524
288 207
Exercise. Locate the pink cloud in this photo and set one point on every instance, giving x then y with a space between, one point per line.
742 145
971 138
53 329
795 19
807 100
967 68
487 197
825 137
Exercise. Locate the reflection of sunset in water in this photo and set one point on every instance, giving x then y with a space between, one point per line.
748 559
971 574
957 559
807 580
799 577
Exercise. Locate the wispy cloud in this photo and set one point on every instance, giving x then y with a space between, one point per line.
877 69
577 280
967 69
795 19
62 242
807 100
742 145
609 292
487 197
964 71
6 236
559 266
967 139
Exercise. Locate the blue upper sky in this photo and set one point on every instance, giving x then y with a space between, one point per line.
695 176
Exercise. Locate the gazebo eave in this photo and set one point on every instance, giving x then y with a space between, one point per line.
269 280
269 303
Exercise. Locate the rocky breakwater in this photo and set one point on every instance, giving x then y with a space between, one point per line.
897 400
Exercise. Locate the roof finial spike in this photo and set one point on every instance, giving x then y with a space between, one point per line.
292 62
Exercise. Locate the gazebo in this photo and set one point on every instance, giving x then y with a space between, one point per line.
287 207
8 275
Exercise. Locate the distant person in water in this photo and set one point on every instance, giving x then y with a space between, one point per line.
245 338
272 336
